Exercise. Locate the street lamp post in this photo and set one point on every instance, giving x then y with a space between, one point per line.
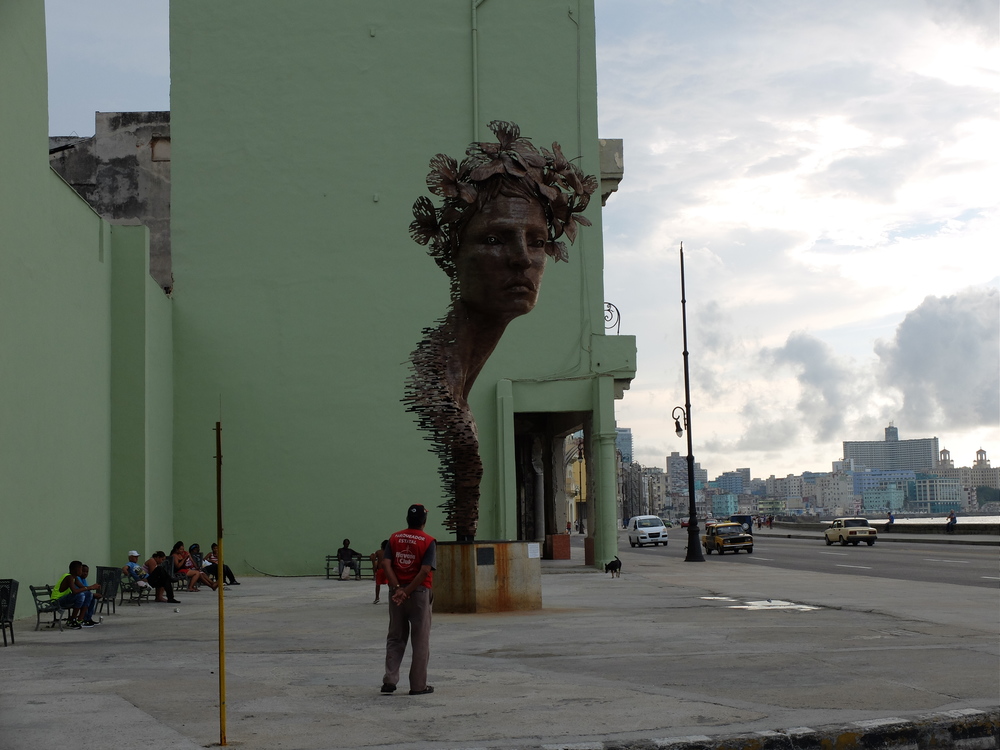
694 553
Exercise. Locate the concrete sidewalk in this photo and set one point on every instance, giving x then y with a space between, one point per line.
669 655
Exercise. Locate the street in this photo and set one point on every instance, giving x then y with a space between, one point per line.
931 563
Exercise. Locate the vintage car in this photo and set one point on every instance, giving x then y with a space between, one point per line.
725 537
644 530
850 531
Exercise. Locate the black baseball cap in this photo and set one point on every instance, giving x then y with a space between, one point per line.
416 514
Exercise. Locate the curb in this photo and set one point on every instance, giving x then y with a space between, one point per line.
962 729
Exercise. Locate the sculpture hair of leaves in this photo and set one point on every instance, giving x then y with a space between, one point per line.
559 185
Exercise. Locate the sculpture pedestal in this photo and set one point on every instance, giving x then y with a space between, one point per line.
485 576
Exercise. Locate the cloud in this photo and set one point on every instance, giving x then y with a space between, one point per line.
945 361
870 175
826 384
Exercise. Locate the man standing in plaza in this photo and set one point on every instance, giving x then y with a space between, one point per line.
408 561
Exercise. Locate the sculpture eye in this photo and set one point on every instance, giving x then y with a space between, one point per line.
492 240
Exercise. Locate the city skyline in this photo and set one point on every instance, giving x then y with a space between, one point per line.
831 170
714 473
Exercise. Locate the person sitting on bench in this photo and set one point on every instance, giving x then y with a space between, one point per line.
135 571
159 579
73 594
346 557
212 568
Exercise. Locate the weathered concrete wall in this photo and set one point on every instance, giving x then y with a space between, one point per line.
123 172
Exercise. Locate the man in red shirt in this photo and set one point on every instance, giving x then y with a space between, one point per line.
408 561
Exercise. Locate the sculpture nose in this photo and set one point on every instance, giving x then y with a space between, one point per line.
520 254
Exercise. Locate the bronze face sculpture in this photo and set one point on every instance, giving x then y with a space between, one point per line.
505 208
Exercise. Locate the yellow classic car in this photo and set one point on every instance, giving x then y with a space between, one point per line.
725 537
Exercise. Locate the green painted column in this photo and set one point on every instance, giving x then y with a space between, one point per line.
605 532
129 267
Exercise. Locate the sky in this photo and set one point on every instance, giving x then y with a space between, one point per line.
832 170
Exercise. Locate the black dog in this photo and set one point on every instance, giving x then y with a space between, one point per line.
614 568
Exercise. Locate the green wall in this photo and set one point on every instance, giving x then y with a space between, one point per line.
67 474
301 136
142 400
54 322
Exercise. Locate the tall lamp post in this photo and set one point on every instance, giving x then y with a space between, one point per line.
694 553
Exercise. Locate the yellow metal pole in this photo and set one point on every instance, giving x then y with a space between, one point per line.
220 577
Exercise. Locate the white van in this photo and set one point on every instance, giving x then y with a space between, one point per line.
643 530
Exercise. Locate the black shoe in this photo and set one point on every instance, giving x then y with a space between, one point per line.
234 583
73 625
174 601
387 688
427 690
88 624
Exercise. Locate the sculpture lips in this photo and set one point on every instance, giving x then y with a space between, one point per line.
520 283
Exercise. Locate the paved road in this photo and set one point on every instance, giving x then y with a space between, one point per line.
930 563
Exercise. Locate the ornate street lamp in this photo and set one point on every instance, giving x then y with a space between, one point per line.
694 553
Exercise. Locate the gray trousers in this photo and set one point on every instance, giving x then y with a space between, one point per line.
411 621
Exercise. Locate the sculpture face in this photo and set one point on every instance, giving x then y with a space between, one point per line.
501 258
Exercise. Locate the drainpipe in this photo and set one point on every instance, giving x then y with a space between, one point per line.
475 68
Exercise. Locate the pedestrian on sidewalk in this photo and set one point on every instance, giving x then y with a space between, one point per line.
409 559
380 576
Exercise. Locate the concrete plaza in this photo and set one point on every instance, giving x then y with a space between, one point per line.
671 652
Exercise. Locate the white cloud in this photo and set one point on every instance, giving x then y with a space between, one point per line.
945 360
829 166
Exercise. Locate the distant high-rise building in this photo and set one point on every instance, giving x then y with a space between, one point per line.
731 481
623 442
677 474
892 453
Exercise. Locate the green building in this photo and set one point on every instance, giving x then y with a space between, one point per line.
300 136
86 409
725 505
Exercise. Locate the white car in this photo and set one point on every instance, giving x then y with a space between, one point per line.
850 531
643 530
